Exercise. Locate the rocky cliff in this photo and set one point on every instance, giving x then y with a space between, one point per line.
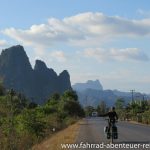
38 83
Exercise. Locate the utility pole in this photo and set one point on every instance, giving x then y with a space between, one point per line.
132 94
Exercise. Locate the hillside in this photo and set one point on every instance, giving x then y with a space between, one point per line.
37 84
96 85
92 93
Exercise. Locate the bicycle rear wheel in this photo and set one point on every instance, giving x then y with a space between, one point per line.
112 135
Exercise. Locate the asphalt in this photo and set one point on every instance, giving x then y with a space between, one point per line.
92 132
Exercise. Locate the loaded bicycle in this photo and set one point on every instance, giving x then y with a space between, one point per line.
111 130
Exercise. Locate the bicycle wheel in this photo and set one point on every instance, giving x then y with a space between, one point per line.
112 135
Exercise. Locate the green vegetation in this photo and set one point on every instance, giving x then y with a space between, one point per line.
137 110
88 110
102 108
22 124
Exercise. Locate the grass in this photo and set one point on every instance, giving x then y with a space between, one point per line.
65 136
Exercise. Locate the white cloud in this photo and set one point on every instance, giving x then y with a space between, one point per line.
58 55
50 56
3 43
127 54
81 29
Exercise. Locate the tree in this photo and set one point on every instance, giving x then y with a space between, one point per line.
101 109
32 105
120 103
73 108
69 104
70 95
31 121
89 110
144 105
55 97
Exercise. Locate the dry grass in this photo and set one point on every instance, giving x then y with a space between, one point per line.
65 136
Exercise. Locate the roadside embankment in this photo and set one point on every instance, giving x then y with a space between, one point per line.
65 136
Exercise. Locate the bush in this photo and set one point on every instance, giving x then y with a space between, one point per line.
23 124
32 122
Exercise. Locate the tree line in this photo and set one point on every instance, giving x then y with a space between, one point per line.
24 123
135 110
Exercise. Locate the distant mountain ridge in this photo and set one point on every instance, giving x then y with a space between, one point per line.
88 85
38 83
93 96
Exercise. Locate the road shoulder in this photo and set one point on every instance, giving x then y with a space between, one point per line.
138 123
65 136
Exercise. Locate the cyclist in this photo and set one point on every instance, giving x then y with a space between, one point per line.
112 117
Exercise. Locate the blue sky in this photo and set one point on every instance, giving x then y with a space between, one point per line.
100 39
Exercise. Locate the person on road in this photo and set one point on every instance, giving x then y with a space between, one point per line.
112 117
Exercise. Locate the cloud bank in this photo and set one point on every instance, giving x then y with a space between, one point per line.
3 43
79 28
128 54
85 29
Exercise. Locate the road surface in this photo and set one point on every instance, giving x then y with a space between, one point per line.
92 131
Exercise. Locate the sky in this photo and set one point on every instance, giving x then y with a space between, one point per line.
107 40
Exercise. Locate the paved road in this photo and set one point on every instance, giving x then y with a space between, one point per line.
92 131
